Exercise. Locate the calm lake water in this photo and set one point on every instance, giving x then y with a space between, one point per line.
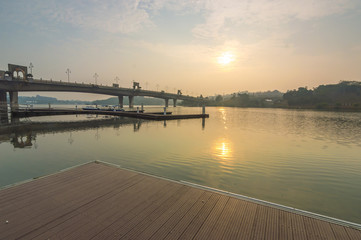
304 159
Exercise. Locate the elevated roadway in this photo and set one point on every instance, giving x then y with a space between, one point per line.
14 86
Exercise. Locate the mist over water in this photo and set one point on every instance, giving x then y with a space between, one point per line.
304 159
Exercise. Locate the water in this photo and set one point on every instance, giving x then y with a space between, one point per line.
304 159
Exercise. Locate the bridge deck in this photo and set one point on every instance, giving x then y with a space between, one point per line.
98 201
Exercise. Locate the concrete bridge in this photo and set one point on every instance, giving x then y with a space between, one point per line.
15 85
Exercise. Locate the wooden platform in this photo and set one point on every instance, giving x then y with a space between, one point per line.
130 114
99 201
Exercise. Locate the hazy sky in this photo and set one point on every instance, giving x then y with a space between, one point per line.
208 47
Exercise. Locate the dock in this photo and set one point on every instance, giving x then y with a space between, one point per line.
101 201
130 114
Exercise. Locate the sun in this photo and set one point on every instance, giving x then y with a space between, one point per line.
225 58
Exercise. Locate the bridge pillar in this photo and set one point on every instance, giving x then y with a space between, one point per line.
166 102
3 102
120 98
14 100
174 102
131 101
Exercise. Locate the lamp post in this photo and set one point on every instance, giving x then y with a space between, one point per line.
95 77
31 68
116 79
68 73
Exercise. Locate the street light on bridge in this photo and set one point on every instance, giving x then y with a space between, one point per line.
68 73
31 68
95 77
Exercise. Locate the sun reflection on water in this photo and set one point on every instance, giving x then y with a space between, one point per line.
223 153
224 116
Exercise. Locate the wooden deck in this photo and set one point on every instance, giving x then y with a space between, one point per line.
99 201
131 114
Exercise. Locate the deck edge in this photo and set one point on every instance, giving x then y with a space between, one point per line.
250 199
43 176
278 206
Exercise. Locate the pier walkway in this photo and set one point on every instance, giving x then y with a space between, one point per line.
100 201
130 114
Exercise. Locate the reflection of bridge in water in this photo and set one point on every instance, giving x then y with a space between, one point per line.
23 134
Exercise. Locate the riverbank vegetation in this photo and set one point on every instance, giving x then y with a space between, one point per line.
344 95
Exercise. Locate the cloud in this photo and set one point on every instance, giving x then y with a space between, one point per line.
129 16
218 14
110 16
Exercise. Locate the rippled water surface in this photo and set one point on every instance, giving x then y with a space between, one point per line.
305 159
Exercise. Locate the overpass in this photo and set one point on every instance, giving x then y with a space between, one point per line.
16 85
17 80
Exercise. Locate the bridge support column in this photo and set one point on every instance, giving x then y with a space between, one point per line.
174 102
3 101
131 101
120 98
14 101
166 102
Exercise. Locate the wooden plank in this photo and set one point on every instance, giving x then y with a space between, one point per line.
312 230
285 225
37 184
114 208
197 222
259 227
212 218
246 226
235 220
114 225
298 227
97 201
78 183
165 220
22 216
177 216
56 212
24 199
272 224
220 226
324 229
128 193
339 231
33 197
353 233
143 220
178 229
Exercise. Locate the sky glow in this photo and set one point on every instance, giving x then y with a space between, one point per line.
200 46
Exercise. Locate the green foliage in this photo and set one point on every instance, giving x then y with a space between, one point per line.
345 94
219 98
244 99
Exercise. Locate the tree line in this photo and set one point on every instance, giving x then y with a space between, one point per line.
344 95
